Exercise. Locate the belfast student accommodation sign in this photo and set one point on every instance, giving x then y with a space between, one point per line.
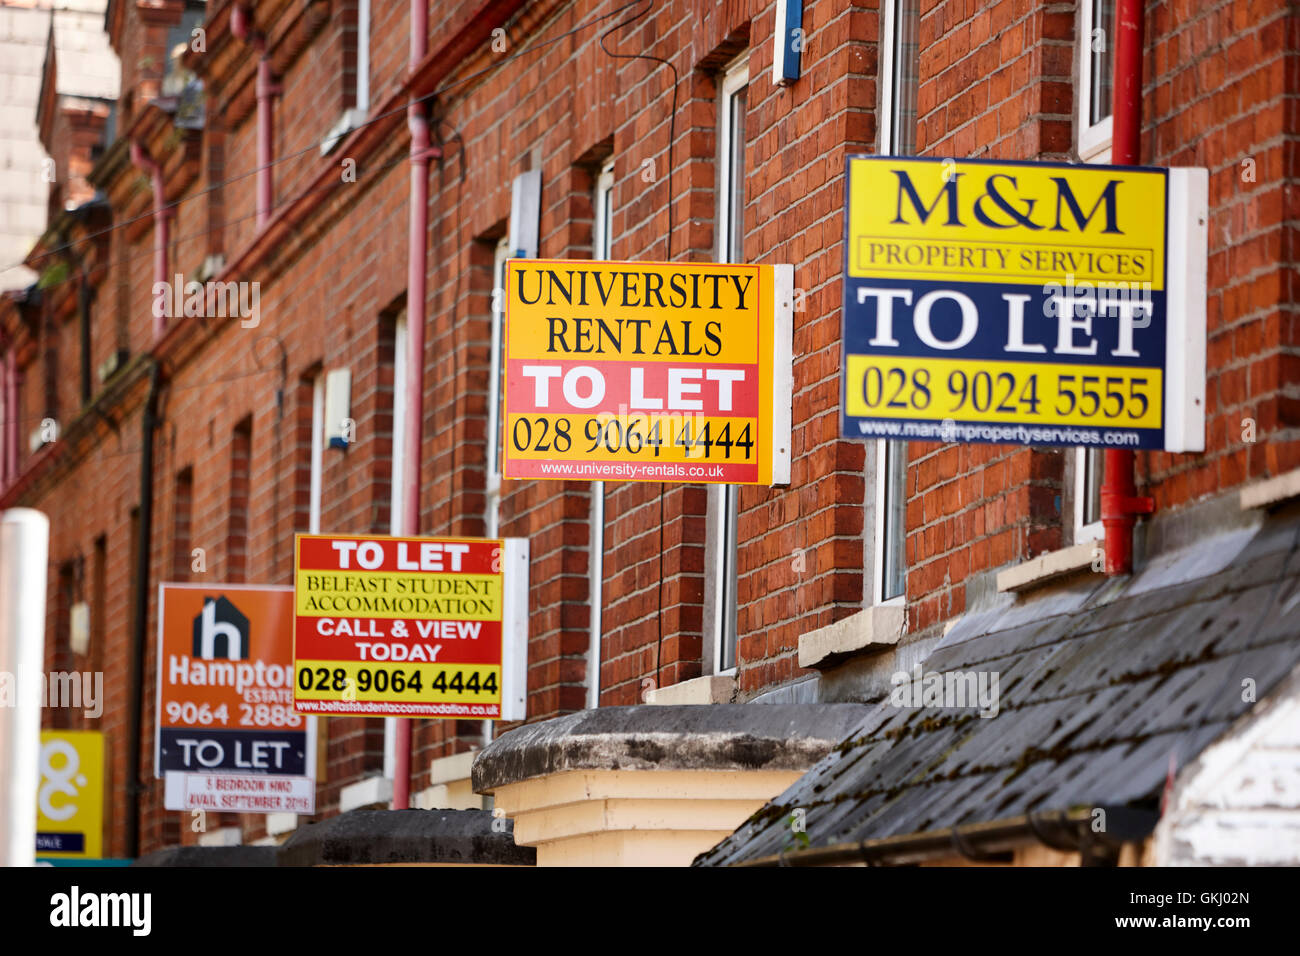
1024 303
410 627
647 372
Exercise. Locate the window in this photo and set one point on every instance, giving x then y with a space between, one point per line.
98 603
1096 76
241 453
1093 128
362 87
603 213
731 168
358 92
601 243
901 74
891 531
317 452
720 549
1087 495
496 380
181 503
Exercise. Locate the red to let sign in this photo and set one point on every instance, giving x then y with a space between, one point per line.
410 627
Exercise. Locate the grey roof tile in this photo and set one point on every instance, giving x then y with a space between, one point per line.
1100 684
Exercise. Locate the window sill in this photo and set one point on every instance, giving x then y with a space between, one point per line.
873 629
349 121
713 689
1274 491
373 792
1048 567
222 836
278 824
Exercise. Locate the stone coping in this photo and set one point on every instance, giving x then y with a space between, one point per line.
246 855
668 737
377 837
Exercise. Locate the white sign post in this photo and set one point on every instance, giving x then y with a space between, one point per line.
24 549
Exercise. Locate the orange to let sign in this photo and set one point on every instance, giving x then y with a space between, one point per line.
410 627
638 371
228 736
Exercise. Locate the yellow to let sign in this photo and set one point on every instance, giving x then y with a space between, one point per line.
647 372
70 795
1031 303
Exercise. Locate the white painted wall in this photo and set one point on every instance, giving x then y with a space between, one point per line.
1238 804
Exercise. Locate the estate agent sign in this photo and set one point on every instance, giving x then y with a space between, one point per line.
1024 303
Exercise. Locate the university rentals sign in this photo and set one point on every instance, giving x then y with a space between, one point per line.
1024 303
635 371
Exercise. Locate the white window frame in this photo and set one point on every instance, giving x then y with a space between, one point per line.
492 485
1093 138
734 78
601 245
888 43
1084 531
363 57
397 492
889 145
317 453
888 40
1094 147
878 584
355 115
723 500
315 489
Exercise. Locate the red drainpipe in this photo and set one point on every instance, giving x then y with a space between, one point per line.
6 402
140 158
11 423
1120 502
415 293
241 25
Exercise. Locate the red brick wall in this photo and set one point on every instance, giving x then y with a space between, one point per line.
996 81
1219 97
801 551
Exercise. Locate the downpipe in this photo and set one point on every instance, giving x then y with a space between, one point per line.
1120 502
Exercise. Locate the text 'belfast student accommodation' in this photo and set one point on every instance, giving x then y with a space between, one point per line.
432 403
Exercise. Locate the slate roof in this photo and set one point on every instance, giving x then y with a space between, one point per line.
1100 682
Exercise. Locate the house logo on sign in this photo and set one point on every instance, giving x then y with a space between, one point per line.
220 625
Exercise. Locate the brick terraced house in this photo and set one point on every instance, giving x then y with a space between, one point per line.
700 657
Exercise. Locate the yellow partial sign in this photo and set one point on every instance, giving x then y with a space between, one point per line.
647 372
1007 222
70 795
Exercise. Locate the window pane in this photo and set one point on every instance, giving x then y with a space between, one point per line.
736 204
607 223
499 346
1103 65
906 73
895 534
1093 459
729 596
